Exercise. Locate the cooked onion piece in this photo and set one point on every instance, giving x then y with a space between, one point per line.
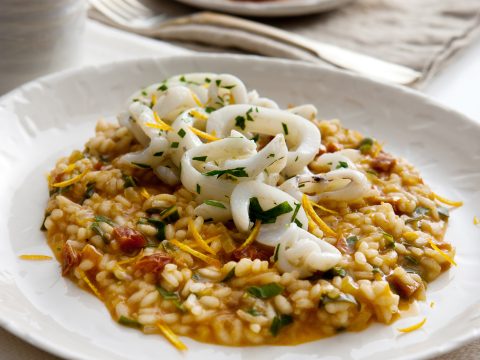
302 137
304 252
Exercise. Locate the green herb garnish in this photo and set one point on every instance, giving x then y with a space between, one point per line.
275 254
215 203
279 322
200 158
181 133
174 145
342 164
256 212
240 122
365 146
172 296
253 312
160 153
89 191
229 276
199 189
265 291
128 181
140 165
123 320
237 172
285 128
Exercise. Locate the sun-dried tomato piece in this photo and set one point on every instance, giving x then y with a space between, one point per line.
128 239
383 163
153 263
253 252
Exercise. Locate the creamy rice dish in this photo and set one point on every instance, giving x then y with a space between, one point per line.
208 211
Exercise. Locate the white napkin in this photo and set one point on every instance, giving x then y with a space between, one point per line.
422 35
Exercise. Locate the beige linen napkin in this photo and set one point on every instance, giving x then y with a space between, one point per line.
421 34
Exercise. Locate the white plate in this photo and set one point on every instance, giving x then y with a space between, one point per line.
274 8
57 114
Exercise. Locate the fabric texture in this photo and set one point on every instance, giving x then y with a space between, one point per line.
420 34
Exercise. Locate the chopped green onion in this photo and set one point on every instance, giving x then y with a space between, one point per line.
169 295
174 145
342 164
162 87
209 110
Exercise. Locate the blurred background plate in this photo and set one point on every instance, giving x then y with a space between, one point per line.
270 8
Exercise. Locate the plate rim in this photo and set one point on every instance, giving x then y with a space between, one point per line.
271 9
48 346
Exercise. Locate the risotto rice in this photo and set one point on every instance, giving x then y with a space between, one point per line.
138 244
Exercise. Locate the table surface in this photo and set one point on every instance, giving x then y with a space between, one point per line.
457 87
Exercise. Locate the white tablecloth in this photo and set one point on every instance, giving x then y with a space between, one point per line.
457 86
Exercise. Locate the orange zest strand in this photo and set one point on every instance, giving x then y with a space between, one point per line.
413 327
323 208
307 205
198 238
70 181
145 193
447 201
432 304
69 169
198 115
161 122
89 283
445 256
476 220
197 254
154 99
128 261
253 235
35 257
171 336
213 238
196 99
203 134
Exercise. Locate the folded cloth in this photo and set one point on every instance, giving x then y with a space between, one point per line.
421 35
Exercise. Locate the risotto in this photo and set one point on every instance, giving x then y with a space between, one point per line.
209 212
